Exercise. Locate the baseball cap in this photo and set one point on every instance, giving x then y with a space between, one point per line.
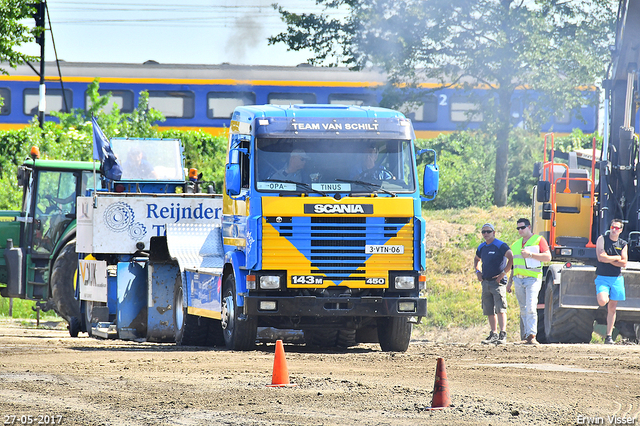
488 225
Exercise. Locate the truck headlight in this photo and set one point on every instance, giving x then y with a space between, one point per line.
269 282
405 283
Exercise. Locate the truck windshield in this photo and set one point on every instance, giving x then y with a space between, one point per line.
334 165
149 159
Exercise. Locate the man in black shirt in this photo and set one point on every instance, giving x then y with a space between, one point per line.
611 251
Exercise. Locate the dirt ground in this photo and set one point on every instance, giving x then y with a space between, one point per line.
48 375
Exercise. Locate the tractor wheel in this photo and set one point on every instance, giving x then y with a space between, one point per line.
62 288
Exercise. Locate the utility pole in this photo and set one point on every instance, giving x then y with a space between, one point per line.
41 8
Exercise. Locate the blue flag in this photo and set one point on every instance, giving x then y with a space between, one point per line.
102 151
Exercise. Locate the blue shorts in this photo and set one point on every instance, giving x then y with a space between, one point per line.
613 286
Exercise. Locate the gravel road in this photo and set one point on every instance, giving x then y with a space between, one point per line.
47 375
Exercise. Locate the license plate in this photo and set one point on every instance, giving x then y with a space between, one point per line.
379 249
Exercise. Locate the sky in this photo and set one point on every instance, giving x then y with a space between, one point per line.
170 31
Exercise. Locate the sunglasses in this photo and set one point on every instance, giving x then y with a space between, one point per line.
617 228
486 231
519 228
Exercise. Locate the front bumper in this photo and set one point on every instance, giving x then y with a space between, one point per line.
313 306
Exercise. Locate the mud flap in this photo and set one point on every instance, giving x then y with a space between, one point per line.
578 289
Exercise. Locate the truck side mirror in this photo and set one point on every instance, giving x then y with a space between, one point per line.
431 177
232 179
23 176
537 168
543 192
430 181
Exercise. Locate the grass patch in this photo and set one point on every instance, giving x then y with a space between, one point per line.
23 309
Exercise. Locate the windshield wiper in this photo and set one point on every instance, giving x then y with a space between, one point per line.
302 184
373 187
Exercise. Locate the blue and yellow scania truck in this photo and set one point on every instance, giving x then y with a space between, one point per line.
318 229
322 226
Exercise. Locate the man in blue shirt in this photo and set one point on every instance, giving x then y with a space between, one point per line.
497 259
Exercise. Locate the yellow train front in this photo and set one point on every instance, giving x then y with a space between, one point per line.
322 225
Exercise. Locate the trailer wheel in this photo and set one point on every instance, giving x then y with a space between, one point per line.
62 289
239 331
394 334
563 325
191 330
88 316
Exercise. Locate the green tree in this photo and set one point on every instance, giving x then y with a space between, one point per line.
14 32
72 139
548 47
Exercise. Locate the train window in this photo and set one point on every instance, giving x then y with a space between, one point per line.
222 104
425 113
462 110
173 104
563 117
352 99
53 99
122 98
5 94
291 98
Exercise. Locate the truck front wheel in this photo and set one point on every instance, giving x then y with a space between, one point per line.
394 334
565 325
239 330
62 284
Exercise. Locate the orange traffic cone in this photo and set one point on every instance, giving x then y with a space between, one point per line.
280 376
441 397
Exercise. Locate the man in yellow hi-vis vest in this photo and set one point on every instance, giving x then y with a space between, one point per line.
528 254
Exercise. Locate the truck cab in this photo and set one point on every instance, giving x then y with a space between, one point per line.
322 225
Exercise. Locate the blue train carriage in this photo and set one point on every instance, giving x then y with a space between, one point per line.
334 248
193 97
126 276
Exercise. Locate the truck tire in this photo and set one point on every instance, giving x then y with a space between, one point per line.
394 334
62 288
239 331
563 325
191 330
541 337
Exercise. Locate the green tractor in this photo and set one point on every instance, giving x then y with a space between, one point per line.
39 241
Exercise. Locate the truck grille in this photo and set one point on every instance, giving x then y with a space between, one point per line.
333 248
